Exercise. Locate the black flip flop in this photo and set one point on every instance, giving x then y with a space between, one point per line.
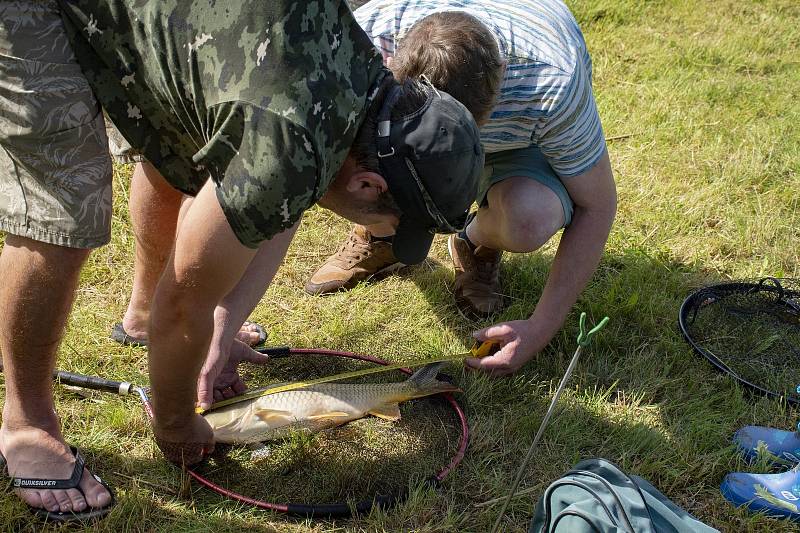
87 515
119 334
262 333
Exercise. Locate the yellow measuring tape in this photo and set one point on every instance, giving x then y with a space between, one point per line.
478 350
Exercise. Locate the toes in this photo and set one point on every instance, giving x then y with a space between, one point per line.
96 495
63 501
66 500
248 337
250 333
48 501
32 498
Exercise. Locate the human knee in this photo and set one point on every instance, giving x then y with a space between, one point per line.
526 232
528 214
67 258
47 255
175 304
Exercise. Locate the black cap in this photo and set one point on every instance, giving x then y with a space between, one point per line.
431 160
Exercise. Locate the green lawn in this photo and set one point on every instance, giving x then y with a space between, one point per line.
700 103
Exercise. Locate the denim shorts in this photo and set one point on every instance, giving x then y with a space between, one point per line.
526 162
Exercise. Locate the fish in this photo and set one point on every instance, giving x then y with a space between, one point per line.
319 407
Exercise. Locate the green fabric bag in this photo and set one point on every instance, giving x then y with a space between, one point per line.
597 497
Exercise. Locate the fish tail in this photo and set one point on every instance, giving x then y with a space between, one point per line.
424 380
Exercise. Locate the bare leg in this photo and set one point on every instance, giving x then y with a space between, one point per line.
521 216
154 207
39 282
207 263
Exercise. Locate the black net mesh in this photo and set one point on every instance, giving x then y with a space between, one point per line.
752 329
350 463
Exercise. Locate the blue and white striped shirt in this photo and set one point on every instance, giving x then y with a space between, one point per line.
546 96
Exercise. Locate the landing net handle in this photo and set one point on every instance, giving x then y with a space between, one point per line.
121 388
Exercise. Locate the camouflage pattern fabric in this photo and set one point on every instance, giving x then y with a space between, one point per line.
120 149
55 173
264 98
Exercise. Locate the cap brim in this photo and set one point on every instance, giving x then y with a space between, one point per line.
411 242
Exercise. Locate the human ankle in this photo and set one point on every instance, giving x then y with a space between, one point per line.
14 433
29 418
135 323
380 231
375 238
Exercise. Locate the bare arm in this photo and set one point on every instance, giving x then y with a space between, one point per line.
208 262
594 196
224 355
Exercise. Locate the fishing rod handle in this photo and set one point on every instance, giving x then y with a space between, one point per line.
123 388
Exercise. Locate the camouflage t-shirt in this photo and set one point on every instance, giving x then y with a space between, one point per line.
264 97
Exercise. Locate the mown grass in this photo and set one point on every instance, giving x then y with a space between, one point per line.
700 101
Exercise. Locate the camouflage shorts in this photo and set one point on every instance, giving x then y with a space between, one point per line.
55 172
121 150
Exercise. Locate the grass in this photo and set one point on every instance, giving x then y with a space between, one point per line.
701 99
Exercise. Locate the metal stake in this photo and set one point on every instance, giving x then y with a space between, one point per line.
583 341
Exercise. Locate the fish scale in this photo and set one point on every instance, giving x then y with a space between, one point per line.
319 407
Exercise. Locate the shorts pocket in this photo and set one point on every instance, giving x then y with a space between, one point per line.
39 99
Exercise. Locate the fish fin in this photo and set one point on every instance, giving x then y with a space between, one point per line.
426 375
425 381
387 411
331 414
274 415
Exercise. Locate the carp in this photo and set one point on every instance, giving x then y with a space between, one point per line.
318 407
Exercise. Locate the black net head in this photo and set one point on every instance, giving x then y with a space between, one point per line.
751 330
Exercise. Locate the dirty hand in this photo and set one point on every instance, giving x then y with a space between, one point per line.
219 378
185 445
519 342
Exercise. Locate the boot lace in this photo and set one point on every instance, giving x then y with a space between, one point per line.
487 270
354 249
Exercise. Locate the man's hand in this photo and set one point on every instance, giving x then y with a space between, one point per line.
595 198
519 340
219 378
185 445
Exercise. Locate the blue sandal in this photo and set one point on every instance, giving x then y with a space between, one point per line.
780 447
772 494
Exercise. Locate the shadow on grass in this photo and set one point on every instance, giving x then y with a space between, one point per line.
639 396
146 492
640 293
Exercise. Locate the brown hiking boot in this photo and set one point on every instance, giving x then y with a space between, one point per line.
477 288
357 259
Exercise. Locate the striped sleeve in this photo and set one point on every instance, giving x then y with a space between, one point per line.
377 19
572 137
